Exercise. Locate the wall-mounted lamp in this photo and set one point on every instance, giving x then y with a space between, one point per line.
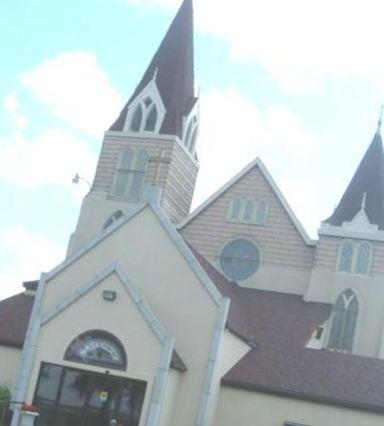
109 295
78 178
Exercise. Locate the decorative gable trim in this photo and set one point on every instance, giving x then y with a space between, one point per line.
167 342
189 140
151 201
140 303
359 227
256 163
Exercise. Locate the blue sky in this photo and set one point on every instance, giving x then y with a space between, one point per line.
297 83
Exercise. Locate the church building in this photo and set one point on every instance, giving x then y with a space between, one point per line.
229 315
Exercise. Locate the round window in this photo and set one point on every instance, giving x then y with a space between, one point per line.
240 259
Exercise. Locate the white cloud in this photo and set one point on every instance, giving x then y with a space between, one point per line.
233 131
300 42
301 195
52 158
12 107
76 90
30 254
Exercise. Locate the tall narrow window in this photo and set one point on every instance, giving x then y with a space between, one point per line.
137 119
130 174
235 209
248 211
344 317
346 256
191 135
123 171
363 258
151 120
261 216
138 175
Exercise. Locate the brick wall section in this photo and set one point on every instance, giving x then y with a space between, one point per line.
177 176
328 251
279 240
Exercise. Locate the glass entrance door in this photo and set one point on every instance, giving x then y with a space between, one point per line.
71 397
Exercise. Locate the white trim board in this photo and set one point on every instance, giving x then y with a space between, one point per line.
255 163
116 268
180 244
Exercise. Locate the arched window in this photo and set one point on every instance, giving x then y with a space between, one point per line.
235 209
346 256
344 317
113 218
145 116
248 210
191 134
363 258
355 257
239 259
130 174
150 124
262 209
137 119
97 347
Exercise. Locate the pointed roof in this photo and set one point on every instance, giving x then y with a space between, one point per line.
366 189
173 68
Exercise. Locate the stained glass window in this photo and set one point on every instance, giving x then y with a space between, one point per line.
130 177
99 348
261 216
363 258
346 256
344 317
239 259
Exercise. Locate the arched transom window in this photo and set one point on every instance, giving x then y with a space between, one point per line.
98 348
239 259
248 210
130 174
113 218
145 116
355 257
343 322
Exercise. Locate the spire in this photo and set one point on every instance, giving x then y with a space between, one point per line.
173 68
366 188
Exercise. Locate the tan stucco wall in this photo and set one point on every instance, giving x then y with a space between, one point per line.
165 279
10 360
245 408
286 259
121 318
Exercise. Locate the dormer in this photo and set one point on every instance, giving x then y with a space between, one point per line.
146 112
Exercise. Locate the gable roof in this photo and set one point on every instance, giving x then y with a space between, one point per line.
173 69
315 375
260 165
368 179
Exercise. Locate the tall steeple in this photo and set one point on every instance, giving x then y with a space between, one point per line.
366 189
172 68
153 140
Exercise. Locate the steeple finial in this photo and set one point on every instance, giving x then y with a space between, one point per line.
380 122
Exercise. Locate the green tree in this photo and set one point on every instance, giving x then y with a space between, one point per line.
5 393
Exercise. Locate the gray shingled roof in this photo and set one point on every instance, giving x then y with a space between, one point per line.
174 64
369 179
